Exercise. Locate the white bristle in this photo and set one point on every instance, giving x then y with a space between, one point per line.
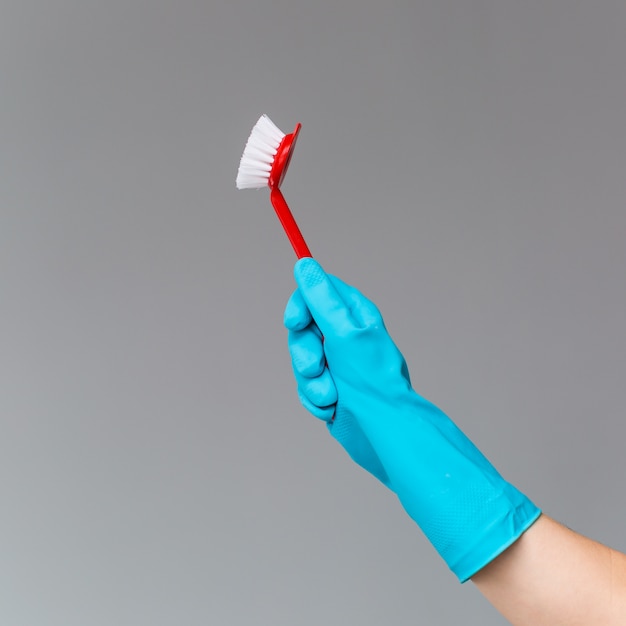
258 155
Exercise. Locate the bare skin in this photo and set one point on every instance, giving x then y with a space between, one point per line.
553 576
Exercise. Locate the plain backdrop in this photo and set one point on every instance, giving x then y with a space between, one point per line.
462 162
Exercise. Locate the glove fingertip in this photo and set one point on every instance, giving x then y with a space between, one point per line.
324 413
307 353
297 315
308 272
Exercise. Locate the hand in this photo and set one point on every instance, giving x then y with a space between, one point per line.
351 374
354 340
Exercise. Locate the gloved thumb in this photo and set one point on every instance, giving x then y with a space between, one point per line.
326 304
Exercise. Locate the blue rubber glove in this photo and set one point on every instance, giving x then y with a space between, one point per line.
351 375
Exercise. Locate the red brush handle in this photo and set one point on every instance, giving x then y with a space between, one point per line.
291 228
289 224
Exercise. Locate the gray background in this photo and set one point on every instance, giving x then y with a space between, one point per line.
462 162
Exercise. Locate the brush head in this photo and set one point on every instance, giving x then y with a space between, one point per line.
266 157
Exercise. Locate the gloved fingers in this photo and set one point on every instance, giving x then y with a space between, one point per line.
324 413
307 351
364 311
325 303
297 315
320 391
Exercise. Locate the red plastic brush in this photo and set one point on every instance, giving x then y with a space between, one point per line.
264 162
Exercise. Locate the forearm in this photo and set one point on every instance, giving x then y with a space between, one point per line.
552 576
350 374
